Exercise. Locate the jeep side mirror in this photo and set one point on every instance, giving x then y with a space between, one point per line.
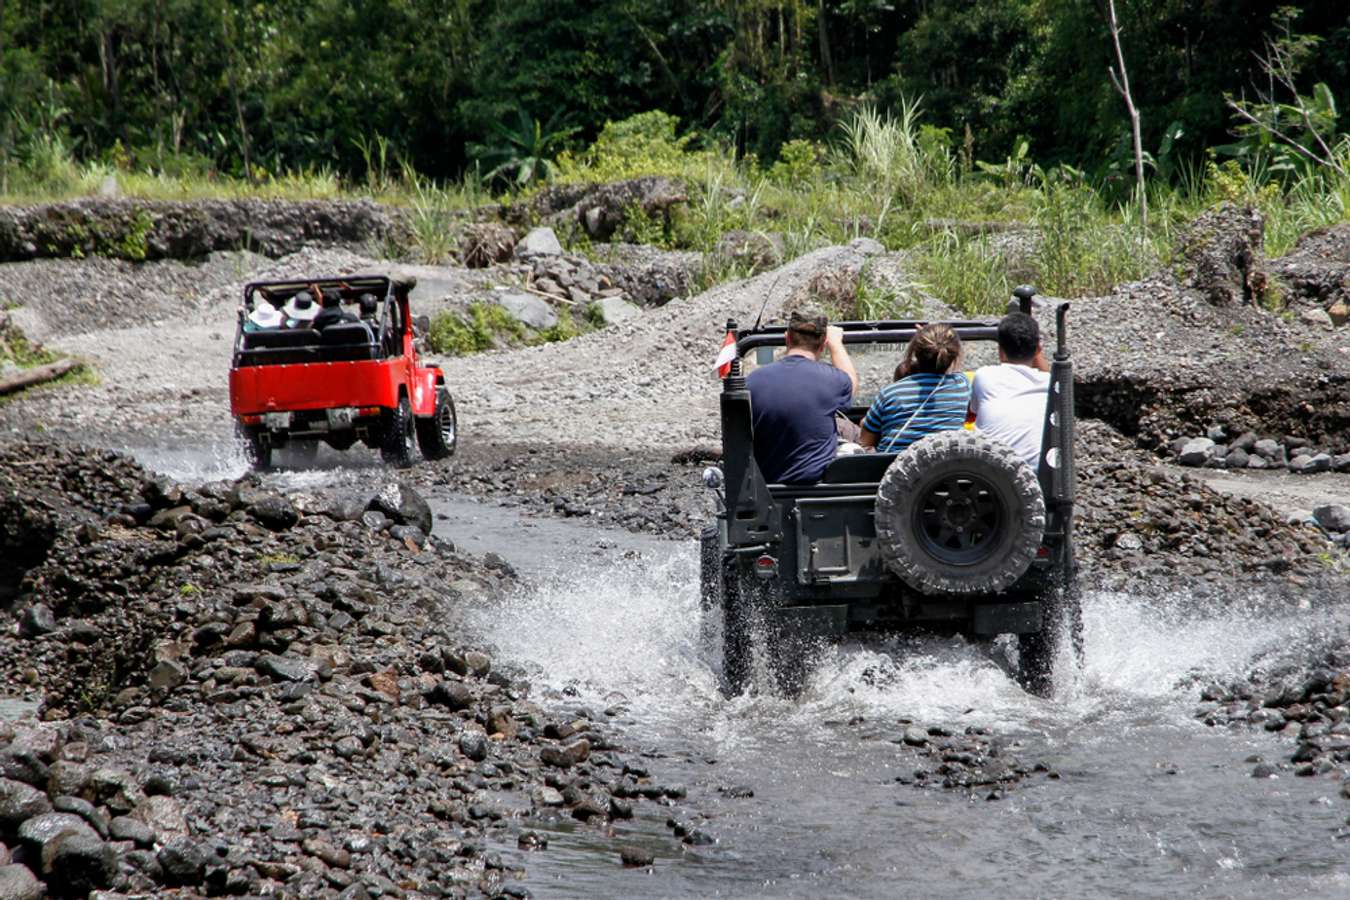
712 478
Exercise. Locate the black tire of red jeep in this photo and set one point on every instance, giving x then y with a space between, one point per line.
438 435
958 513
257 455
396 438
1036 653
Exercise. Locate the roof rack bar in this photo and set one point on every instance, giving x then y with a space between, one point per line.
972 331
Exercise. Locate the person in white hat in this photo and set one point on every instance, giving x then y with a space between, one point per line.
300 310
264 315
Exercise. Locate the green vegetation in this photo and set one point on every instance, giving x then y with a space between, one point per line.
486 325
984 139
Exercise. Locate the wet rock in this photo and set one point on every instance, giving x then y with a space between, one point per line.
18 883
917 737
274 512
19 801
85 810
403 505
568 755
454 694
532 840
636 857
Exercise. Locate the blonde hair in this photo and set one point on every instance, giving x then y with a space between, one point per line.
935 349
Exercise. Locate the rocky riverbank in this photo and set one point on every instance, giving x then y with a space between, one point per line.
248 693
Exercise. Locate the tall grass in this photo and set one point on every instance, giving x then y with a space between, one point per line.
885 176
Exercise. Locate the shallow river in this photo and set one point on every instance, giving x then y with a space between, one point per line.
1149 802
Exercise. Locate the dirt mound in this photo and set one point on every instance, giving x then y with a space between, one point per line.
1222 255
1317 272
165 229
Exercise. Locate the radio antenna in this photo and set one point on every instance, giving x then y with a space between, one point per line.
767 298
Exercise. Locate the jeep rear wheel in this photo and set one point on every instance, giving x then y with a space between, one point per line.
958 513
438 435
396 441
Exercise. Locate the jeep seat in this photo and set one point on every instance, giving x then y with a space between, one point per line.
273 346
346 342
858 468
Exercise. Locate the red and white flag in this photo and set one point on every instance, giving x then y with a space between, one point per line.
726 356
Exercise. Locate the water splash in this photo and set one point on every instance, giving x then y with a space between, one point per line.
635 626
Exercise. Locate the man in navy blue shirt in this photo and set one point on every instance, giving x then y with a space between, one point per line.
794 401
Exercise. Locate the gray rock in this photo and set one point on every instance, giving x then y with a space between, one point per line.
1333 517
1237 459
20 763
127 828
915 737
403 506
19 801
636 857
37 620
167 675
616 309
18 883
75 864
527 309
162 815
409 533
1129 542
274 512
1316 316
374 520
1308 465
1195 452
1271 450
547 796
1217 433
539 242
473 744
454 694
184 863
85 810
37 832
1341 462
1245 441
1257 462
283 668
477 663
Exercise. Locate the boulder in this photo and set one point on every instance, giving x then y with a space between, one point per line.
527 309
403 506
1333 517
616 309
538 242
19 801
1195 452
274 511
74 864
1222 257
18 883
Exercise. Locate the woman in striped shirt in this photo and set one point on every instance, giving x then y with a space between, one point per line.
930 393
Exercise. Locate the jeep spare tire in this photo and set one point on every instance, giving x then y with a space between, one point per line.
959 513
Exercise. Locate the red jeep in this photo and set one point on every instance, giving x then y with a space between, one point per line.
351 374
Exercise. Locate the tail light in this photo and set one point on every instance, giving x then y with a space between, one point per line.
766 567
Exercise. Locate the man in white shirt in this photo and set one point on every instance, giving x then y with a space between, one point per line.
1008 401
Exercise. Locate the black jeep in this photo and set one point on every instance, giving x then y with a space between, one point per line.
954 534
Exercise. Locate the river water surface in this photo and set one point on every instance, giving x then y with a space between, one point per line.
1144 801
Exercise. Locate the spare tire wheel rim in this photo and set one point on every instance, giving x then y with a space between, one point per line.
959 519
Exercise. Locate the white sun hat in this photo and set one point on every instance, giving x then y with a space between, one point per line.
301 307
265 315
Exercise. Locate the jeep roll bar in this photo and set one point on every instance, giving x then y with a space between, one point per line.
753 517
